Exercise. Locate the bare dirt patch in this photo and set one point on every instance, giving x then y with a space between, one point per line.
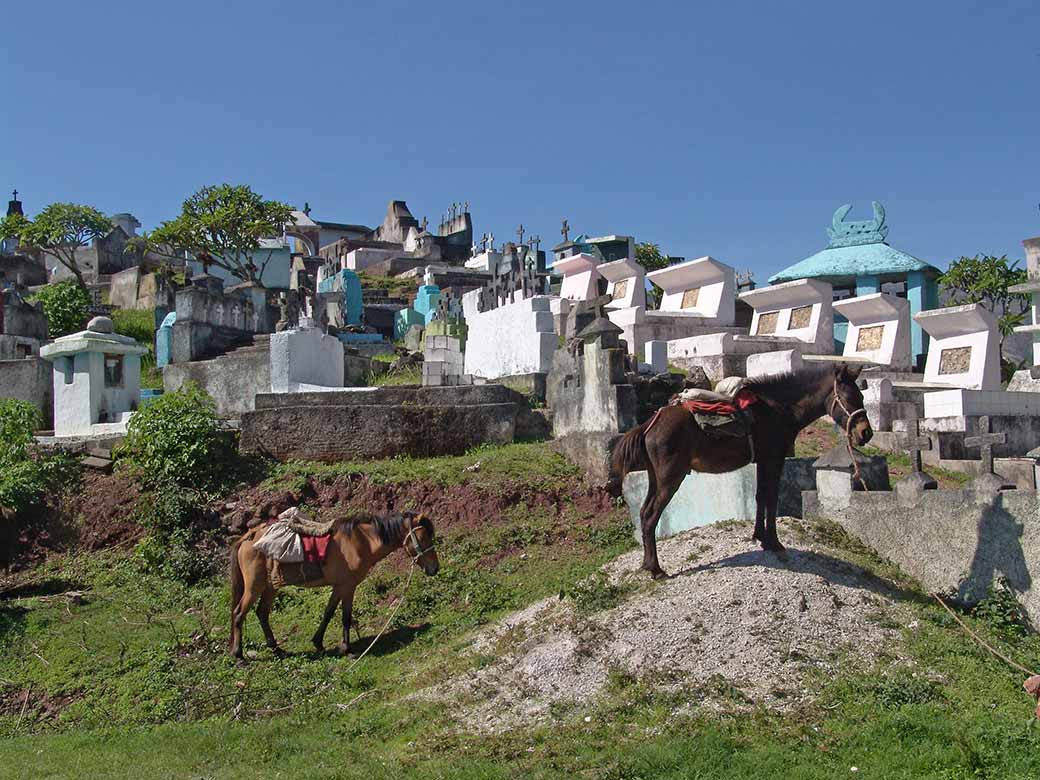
734 626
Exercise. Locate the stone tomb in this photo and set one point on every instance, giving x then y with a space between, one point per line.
1028 380
794 317
879 329
698 299
511 340
580 277
443 362
97 380
965 347
305 360
626 283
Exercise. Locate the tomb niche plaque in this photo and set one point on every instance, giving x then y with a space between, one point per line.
956 360
689 298
767 323
870 338
800 317
620 290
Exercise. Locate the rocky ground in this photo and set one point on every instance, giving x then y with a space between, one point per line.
735 626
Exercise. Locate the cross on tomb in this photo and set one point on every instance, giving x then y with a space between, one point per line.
985 440
565 231
15 193
914 443
520 233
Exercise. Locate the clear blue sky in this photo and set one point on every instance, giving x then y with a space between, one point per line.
726 128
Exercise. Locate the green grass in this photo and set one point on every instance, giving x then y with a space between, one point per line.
140 325
530 466
150 692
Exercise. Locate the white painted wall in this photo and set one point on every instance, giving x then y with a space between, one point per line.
514 339
303 359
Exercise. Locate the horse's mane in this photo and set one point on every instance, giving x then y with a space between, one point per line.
789 388
389 528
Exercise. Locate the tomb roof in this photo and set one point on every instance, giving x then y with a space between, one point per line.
855 249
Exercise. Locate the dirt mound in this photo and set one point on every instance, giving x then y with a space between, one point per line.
735 626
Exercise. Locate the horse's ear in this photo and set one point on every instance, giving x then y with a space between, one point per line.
853 372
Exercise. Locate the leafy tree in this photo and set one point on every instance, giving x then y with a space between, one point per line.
60 229
650 257
176 442
222 226
985 279
65 303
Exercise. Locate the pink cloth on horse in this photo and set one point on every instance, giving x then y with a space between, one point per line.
315 548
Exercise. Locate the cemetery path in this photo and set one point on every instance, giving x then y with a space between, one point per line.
734 628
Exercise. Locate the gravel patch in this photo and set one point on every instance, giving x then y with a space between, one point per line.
734 626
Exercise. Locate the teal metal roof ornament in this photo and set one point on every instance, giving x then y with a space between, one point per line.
873 231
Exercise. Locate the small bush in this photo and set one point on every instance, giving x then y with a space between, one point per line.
24 476
595 594
1003 614
172 547
65 303
176 441
137 323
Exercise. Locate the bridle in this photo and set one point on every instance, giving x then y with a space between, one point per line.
849 417
420 551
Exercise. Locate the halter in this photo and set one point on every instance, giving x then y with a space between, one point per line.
849 417
419 550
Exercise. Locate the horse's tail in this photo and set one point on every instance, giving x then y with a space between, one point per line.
629 455
238 580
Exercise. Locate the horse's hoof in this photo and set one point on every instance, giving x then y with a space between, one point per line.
342 649
278 652
773 547
660 574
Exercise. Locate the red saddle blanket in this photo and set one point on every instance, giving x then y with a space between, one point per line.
315 548
742 400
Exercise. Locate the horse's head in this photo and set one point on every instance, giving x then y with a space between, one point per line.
419 543
846 405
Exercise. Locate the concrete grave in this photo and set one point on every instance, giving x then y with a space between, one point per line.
580 277
305 360
23 326
790 317
1028 380
626 283
164 340
879 329
443 362
965 347
97 380
514 339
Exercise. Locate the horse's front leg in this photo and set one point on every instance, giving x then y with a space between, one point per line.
666 483
346 596
767 498
330 609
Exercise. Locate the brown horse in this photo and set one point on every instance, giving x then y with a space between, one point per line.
671 444
355 547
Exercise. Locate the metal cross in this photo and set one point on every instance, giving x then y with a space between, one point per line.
15 193
914 443
985 441
520 233
565 231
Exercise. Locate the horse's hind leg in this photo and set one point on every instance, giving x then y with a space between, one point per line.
249 597
330 610
766 498
263 612
661 488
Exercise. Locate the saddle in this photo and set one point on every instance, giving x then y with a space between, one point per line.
725 411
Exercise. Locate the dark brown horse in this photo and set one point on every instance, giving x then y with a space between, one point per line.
671 444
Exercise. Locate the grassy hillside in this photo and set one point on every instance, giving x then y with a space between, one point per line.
109 670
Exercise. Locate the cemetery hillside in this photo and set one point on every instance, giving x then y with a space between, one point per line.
299 498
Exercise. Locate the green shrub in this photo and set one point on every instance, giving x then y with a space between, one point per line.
136 323
24 476
172 545
65 303
176 441
1003 614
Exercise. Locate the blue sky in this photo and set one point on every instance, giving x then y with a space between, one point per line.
725 128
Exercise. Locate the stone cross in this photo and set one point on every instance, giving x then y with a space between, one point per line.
520 233
465 207
423 224
985 441
15 194
491 242
565 231
914 443
535 243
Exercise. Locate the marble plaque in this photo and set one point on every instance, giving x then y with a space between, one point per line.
767 323
870 338
620 290
800 317
689 298
956 360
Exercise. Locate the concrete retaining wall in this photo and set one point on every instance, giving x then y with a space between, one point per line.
29 379
232 380
378 422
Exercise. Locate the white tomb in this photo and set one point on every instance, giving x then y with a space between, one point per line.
488 261
702 288
306 360
789 317
1028 380
964 350
97 380
626 283
515 339
699 298
879 329
580 277
363 257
